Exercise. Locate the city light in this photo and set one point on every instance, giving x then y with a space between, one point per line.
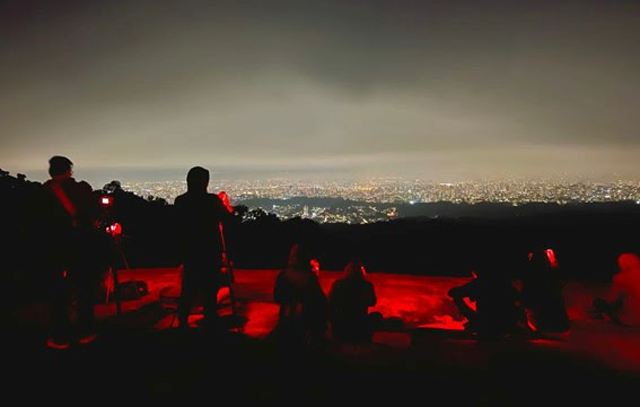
379 199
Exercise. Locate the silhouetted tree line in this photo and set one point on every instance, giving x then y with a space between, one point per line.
586 238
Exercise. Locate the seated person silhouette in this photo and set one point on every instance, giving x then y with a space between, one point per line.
349 300
622 304
496 302
542 294
303 304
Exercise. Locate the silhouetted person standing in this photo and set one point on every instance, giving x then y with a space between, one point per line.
73 243
349 301
199 214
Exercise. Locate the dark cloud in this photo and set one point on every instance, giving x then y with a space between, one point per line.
428 87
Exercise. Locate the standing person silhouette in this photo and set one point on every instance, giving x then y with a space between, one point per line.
199 214
73 240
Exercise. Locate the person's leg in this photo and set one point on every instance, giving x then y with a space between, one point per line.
187 293
372 324
60 321
86 286
601 305
211 285
611 310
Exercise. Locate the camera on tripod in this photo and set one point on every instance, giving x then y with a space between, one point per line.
106 200
107 221
120 291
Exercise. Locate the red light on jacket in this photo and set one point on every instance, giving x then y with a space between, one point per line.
551 256
225 201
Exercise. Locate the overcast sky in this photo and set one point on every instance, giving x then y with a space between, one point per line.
442 90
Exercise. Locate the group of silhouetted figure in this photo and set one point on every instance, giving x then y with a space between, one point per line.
306 312
492 303
499 307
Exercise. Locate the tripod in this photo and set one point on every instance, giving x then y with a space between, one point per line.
227 266
115 230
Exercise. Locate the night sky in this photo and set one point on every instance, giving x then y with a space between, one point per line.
442 90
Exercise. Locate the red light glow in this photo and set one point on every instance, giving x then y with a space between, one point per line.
445 322
471 304
551 256
530 323
628 261
315 266
114 229
106 201
224 197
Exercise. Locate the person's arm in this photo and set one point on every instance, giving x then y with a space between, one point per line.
320 299
335 299
222 218
458 294
462 291
616 295
180 228
332 292
371 295
280 291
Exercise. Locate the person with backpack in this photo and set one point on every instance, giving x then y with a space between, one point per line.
73 241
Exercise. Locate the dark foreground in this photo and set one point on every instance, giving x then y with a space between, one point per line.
137 357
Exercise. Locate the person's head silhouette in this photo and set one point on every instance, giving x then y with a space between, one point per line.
629 262
60 166
299 258
354 269
197 179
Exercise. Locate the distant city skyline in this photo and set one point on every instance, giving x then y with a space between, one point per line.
98 177
437 90
359 201
382 199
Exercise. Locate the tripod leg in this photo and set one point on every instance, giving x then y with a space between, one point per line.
123 257
116 283
108 286
116 290
232 295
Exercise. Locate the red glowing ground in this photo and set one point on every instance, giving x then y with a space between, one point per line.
420 302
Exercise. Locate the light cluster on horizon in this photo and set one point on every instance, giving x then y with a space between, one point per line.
395 191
